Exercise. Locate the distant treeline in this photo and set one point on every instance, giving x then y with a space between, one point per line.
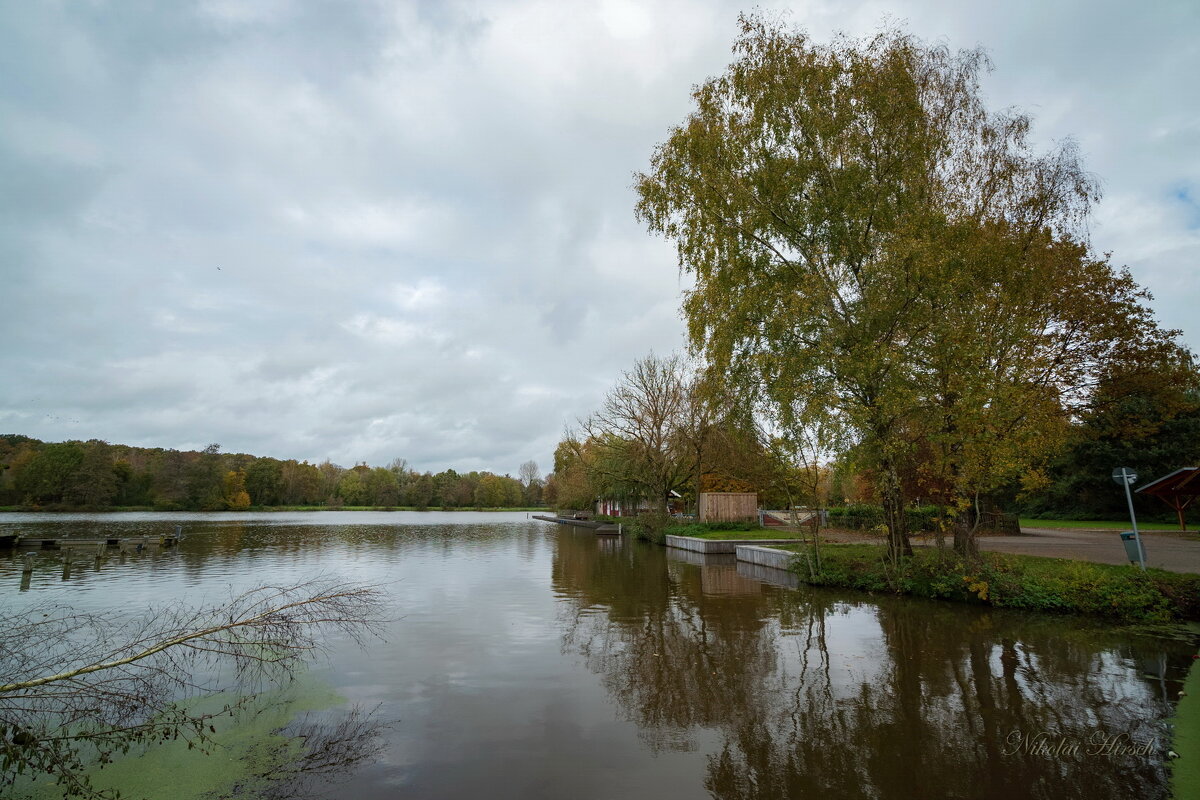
98 475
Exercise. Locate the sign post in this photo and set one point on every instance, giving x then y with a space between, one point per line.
1126 477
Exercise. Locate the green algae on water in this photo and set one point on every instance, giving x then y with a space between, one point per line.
1185 770
241 759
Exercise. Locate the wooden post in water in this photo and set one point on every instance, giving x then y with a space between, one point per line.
27 563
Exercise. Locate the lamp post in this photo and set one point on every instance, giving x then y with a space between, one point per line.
1125 477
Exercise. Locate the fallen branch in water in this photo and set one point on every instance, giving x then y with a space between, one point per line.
70 697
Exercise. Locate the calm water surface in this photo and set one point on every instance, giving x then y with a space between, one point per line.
531 661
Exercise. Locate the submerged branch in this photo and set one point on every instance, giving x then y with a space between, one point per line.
69 698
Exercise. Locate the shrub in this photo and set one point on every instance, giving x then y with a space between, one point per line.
865 517
677 528
1009 581
651 527
856 517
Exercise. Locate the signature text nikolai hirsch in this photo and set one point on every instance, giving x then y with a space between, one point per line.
1100 744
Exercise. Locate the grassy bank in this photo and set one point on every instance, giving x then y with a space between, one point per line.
1013 581
1185 770
729 530
1096 525
758 533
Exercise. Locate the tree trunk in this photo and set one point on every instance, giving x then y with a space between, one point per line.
893 512
965 543
965 528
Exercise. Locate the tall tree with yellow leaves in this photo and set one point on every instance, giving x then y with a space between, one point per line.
879 257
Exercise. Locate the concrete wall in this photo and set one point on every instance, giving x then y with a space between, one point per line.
701 545
771 575
753 560
764 556
678 554
709 546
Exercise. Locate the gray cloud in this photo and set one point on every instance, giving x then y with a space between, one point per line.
361 231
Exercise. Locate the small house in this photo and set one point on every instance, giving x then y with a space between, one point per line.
626 507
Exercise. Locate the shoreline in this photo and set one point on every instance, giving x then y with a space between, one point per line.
1006 580
251 510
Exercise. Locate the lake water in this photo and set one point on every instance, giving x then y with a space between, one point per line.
524 660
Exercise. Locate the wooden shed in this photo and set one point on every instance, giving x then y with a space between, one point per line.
728 506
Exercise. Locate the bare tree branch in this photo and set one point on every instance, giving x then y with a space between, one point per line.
70 698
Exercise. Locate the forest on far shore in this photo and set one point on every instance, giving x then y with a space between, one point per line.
96 475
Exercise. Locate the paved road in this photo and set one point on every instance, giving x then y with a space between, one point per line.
1165 550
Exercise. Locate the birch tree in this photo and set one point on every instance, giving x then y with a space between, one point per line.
878 256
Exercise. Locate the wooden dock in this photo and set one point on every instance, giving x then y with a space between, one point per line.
599 528
18 541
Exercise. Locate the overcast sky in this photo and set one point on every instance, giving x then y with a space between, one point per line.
358 231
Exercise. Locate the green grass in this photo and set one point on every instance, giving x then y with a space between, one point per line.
1014 581
1106 525
759 533
727 530
1185 770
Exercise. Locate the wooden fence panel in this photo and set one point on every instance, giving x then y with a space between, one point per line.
728 506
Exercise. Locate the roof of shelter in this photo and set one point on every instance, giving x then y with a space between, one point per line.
1185 481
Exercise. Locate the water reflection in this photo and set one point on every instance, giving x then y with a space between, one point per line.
315 750
674 657
234 547
818 693
515 644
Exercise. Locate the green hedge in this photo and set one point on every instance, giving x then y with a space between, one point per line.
865 517
702 528
1036 511
651 527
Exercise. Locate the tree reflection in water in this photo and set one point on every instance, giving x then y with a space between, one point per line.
817 693
312 752
674 658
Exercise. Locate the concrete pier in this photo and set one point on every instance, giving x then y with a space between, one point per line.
771 575
765 556
602 528
758 563
709 546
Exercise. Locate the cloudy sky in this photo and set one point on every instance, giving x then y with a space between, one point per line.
363 230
